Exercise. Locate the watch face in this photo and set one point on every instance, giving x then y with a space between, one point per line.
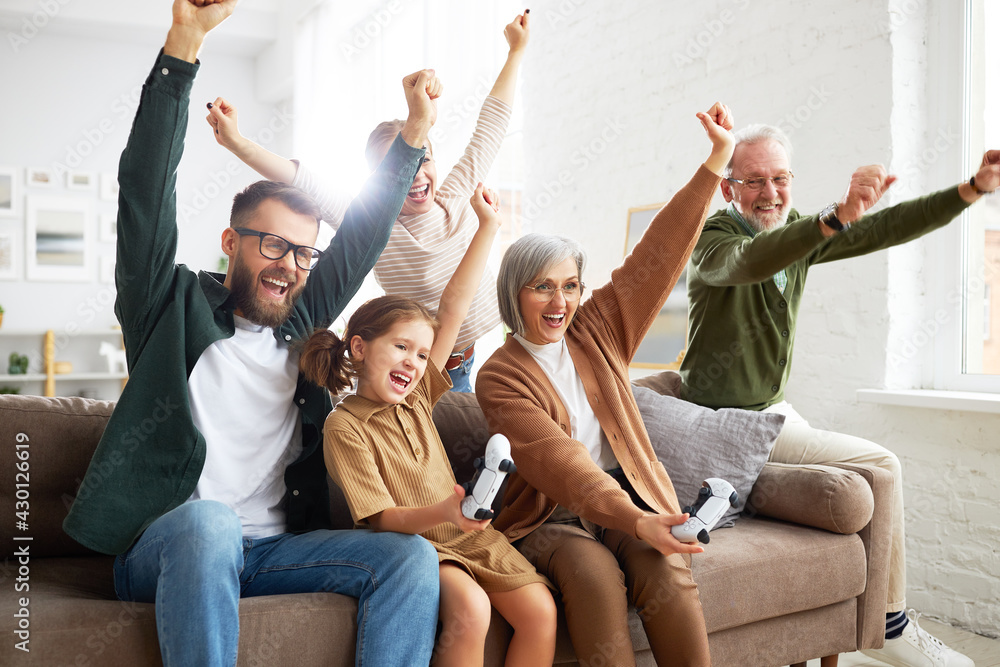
829 218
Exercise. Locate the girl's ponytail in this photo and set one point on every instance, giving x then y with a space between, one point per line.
324 361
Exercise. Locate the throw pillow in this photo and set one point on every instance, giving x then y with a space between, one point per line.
694 443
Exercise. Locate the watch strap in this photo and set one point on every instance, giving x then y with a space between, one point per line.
829 218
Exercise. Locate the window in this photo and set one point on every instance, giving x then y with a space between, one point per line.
981 355
966 275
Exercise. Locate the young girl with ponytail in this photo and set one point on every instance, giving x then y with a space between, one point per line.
382 449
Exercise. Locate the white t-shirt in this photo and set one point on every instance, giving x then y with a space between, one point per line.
555 360
242 390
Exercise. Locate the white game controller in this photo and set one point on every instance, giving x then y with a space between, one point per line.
715 497
490 473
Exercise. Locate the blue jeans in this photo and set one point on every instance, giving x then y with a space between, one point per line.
461 376
195 564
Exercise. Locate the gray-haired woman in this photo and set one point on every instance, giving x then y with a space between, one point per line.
590 506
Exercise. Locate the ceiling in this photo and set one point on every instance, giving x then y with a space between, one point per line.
253 26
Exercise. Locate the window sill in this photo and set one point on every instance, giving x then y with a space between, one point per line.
963 401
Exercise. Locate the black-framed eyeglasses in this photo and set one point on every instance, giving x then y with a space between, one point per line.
273 246
755 184
545 292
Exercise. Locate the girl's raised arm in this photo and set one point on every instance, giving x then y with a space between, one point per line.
461 289
222 117
516 33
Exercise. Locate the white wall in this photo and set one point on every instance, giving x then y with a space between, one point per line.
70 101
610 93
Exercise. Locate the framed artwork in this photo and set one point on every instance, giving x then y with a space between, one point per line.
58 238
8 256
109 187
638 220
665 342
39 177
10 192
80 180
107 228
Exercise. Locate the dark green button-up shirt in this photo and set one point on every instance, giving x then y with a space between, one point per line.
741 327
151 455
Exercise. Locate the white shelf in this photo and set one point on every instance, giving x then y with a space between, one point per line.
89 376
72 346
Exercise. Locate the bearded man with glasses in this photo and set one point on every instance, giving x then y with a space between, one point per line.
209 483
745 284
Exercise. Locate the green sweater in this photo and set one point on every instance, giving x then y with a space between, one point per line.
151 455
741 327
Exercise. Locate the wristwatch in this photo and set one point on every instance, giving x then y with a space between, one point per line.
829 218
972 183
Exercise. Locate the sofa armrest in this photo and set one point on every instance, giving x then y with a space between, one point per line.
821 496
667 383
877 538
843 498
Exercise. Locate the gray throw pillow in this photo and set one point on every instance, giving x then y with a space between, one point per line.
694 443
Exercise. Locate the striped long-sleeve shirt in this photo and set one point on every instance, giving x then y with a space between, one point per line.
424 250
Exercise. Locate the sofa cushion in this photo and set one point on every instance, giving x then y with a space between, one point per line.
694 443
760 568
61 434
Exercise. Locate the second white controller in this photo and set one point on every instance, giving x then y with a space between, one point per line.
715 497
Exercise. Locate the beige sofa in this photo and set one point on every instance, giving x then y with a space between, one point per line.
803 576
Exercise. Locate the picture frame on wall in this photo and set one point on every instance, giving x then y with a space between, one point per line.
10 192
58 239
664 344
8 256
39 177
109 187
80 180
107 229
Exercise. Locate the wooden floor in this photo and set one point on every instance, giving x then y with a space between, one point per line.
985 652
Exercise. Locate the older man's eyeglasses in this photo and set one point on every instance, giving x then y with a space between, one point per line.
545 292
273 246
759 183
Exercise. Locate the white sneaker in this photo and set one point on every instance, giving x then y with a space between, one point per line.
916 648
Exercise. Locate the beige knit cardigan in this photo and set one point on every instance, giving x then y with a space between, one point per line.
520 402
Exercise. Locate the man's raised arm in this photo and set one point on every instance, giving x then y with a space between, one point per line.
147 220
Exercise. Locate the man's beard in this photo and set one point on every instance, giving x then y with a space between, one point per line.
763 222
261 309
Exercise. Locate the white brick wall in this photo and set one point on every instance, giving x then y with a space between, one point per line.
611 89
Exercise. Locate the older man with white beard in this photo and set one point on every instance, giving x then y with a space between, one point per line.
745 283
